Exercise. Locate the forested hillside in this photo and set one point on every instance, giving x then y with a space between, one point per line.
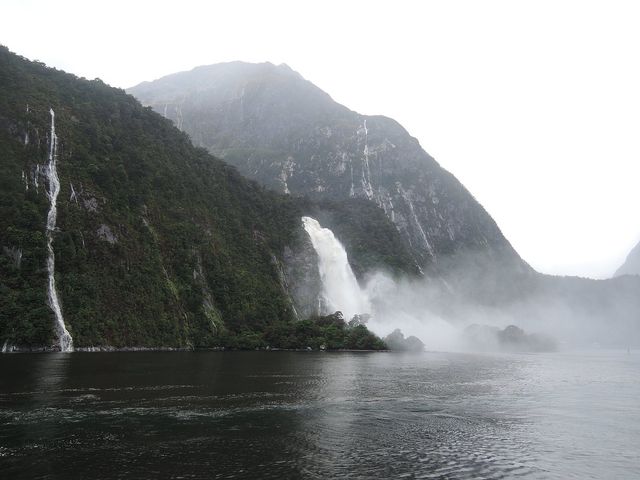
156 243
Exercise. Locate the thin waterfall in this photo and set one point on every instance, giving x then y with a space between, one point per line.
66 341
340 287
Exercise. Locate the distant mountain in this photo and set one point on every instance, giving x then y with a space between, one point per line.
281 130
631 266
289 135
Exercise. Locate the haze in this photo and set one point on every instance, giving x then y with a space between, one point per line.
532 105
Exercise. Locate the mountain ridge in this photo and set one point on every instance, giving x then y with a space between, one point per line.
292 137
631 265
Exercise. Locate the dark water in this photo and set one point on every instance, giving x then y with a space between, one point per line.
319 415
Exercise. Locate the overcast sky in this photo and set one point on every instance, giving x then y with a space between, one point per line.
533 105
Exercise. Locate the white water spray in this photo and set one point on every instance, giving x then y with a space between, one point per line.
366 170
392 304
66 342
340 288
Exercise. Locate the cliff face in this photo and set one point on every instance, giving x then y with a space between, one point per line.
631 266
289 135
302 278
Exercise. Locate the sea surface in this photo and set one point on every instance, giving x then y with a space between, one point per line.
320 415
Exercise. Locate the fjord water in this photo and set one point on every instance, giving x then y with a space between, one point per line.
319 415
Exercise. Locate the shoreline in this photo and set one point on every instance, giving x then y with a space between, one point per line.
109 349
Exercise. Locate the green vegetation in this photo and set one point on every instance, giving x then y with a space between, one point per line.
329 332
189 255
157 242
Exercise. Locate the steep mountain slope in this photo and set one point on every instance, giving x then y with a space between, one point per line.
289 135
155 242
631 266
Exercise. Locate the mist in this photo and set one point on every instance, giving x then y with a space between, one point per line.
404 304
472 302
558 313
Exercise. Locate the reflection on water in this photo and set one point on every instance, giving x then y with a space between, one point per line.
319 415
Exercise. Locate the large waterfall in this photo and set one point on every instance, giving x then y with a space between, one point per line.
66 342
340 288
392 303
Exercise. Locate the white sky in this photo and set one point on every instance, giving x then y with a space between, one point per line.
533 105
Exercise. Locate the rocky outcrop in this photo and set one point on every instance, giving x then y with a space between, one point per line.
301 277
105 233
511 338
396 341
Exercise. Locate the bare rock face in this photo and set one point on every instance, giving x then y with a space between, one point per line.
632 264
302 277
105 233
289 135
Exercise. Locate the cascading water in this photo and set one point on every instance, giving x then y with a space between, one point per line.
66 341
392 304
339 285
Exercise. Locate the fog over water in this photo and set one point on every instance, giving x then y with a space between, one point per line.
439 314
401 304
441 317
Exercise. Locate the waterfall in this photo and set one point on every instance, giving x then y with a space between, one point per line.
66 342
340 288
391 303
